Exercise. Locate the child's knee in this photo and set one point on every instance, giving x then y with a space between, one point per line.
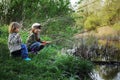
23 46
37 44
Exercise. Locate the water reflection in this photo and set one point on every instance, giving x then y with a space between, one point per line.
107 72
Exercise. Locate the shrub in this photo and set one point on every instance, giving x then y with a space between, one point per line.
116 26
71 65
92 22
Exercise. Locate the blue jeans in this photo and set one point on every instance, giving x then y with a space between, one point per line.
35 47
24 51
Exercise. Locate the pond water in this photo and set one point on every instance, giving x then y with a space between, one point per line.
108 72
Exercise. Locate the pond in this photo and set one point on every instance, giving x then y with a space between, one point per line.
111 71
106 72
105 54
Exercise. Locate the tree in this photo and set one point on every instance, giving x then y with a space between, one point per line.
99 12
17 10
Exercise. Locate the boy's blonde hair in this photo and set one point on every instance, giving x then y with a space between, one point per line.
35 26
32 30
13 26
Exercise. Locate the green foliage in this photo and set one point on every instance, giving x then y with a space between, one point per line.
57 24
3 31
110 12
99 13
79 20
24 35
92 22
60 29
70 64
23 10
116 26
107 17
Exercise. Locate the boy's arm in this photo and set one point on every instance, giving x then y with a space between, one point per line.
31 39
39 40
43 42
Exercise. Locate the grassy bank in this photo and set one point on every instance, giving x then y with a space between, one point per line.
49 64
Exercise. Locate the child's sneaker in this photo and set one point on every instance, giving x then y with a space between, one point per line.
27 59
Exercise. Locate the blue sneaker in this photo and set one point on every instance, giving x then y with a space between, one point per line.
27 59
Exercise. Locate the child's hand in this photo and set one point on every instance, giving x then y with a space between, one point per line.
46 42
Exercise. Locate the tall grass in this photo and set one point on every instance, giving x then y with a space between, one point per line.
48 64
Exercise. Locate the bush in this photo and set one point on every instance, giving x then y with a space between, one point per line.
73 66
92 22
116 26
4 31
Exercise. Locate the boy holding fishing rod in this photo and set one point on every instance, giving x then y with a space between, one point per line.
34 42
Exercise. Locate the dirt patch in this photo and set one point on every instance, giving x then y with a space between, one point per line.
106 31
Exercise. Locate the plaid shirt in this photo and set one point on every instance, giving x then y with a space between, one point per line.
14 42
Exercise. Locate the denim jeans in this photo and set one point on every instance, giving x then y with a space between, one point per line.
35 47
24 51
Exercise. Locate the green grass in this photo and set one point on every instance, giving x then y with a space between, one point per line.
49 64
